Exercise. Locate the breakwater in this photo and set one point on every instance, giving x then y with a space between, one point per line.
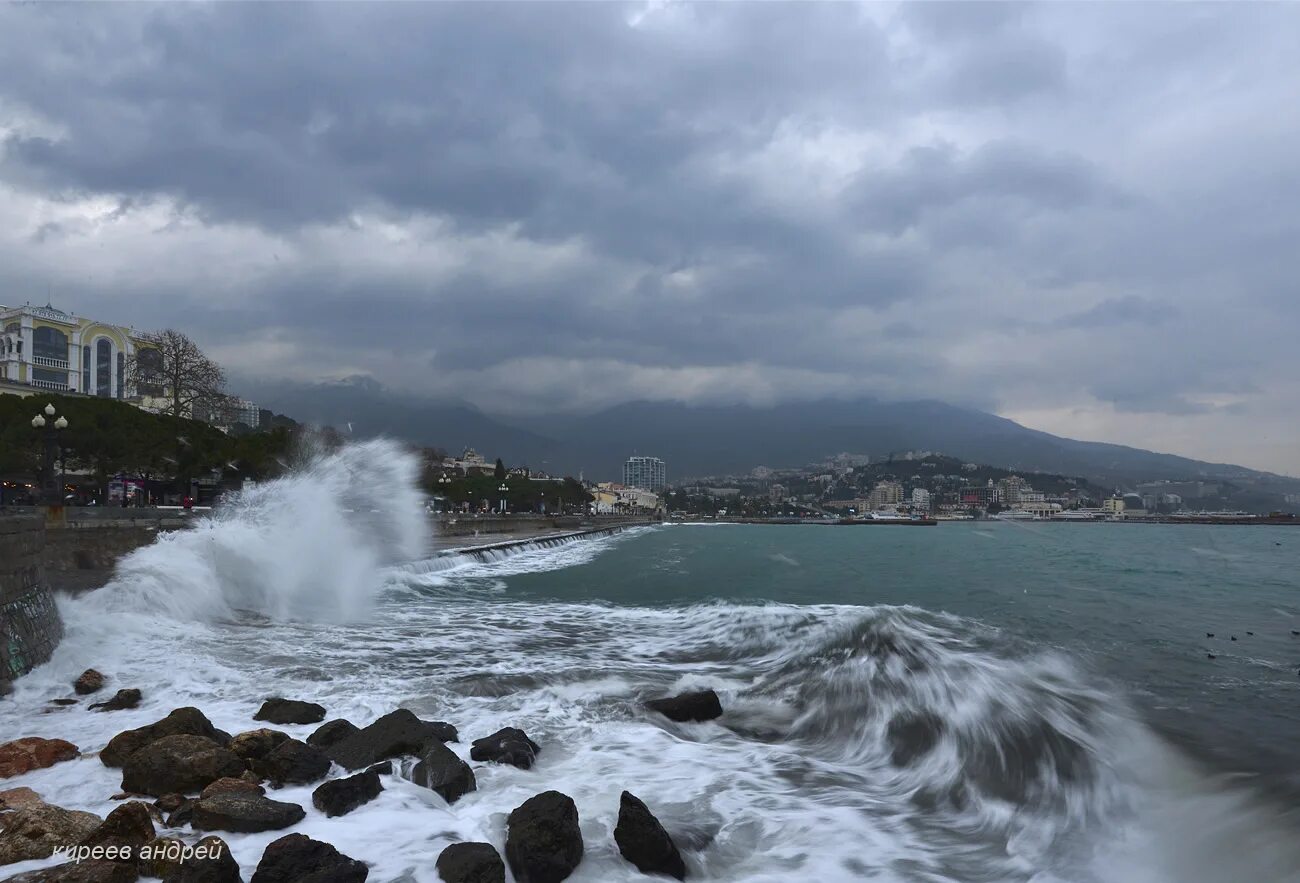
30 627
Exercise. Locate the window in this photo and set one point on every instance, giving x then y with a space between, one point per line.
85 370
121 374
49 375
103 367
149 365
50 343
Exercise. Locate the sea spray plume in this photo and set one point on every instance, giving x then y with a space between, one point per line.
309 545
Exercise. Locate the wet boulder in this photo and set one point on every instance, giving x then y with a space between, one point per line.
442 771
180 722
33 753
169 803
257 744
507 745
543 840
244 813
90 681
471 863
396 733
290 711
331 732
644 842
182 815
293 763
912 735
701 705
340 796
129 825
121 701
159 856
34 831
297 857
93 871
232 786
211 862
17 798
179 764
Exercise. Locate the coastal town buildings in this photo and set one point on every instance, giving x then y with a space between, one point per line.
646 473
610 498
884 494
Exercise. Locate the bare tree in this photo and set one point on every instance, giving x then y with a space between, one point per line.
172 367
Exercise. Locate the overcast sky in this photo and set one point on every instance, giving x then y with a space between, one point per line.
1083 217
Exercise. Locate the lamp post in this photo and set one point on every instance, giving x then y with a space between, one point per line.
51 493
504 488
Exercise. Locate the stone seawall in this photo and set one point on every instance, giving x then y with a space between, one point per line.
30 626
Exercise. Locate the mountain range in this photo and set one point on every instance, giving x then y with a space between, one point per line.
697 441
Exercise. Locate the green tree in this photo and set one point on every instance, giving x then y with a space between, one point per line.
500 471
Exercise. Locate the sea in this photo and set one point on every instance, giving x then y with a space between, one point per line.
980 701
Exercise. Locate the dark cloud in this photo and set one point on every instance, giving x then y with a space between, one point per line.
1049 209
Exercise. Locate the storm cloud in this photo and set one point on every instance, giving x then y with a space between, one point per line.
1079 216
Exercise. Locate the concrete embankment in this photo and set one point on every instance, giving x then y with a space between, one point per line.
30 627
486 546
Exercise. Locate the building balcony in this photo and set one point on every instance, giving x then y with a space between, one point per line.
47 362
51 385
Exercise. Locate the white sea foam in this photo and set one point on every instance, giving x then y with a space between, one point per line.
1038 772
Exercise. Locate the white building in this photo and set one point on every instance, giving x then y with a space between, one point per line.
920 498
647 473
45 348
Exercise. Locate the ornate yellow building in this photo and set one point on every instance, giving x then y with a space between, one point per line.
47 349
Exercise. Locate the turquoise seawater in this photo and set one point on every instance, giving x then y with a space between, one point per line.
1130 602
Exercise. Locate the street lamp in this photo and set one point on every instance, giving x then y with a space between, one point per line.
503 489
51 494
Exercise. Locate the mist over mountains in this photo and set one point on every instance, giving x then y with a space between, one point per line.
700 441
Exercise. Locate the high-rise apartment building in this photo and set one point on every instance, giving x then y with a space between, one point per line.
647 473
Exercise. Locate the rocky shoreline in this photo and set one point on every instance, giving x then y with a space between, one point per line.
184 782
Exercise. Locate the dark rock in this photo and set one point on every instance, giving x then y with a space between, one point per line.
702 705
182 815
543 841
232 786
913 734
471 863
94 871
244 813
67 701
170 803
210 863
508 745
33 753
179 765
257 744
296 858
290 711
341 796
396 733
331 732
382 769
122 700
644 842
89 682
442 731
34 831
130 825
442 771
293 763
181 722
159 856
